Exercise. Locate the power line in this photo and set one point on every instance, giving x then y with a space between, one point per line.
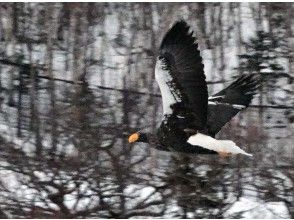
97 87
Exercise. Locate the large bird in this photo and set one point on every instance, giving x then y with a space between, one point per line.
191 119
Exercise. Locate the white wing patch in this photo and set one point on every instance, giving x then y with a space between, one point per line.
236 106
164 80
211 98
212 103
224 146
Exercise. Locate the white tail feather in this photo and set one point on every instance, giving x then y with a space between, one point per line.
225 146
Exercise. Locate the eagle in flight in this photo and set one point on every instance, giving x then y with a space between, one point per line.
191 119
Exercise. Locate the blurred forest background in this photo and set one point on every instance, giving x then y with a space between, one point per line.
77 78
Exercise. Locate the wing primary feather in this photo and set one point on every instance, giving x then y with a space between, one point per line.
224 105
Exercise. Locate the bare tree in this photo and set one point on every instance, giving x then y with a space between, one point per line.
82 74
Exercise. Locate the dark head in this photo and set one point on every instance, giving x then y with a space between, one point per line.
138 137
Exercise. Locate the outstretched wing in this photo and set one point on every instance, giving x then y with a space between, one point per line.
180 76
224 105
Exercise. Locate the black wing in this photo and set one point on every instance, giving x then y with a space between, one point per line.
180 75
224 105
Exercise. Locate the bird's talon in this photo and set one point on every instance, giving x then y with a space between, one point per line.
224 154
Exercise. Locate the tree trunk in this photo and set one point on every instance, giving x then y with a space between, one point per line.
221 42
77 52
10 42
51 37
239 33
19 104
214 48
85 42
290 40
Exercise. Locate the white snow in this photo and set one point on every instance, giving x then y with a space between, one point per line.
257 209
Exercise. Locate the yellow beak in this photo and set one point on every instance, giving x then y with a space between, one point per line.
133 138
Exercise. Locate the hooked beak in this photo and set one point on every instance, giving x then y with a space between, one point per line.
133 138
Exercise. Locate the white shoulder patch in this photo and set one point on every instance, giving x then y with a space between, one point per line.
164 80
224 146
